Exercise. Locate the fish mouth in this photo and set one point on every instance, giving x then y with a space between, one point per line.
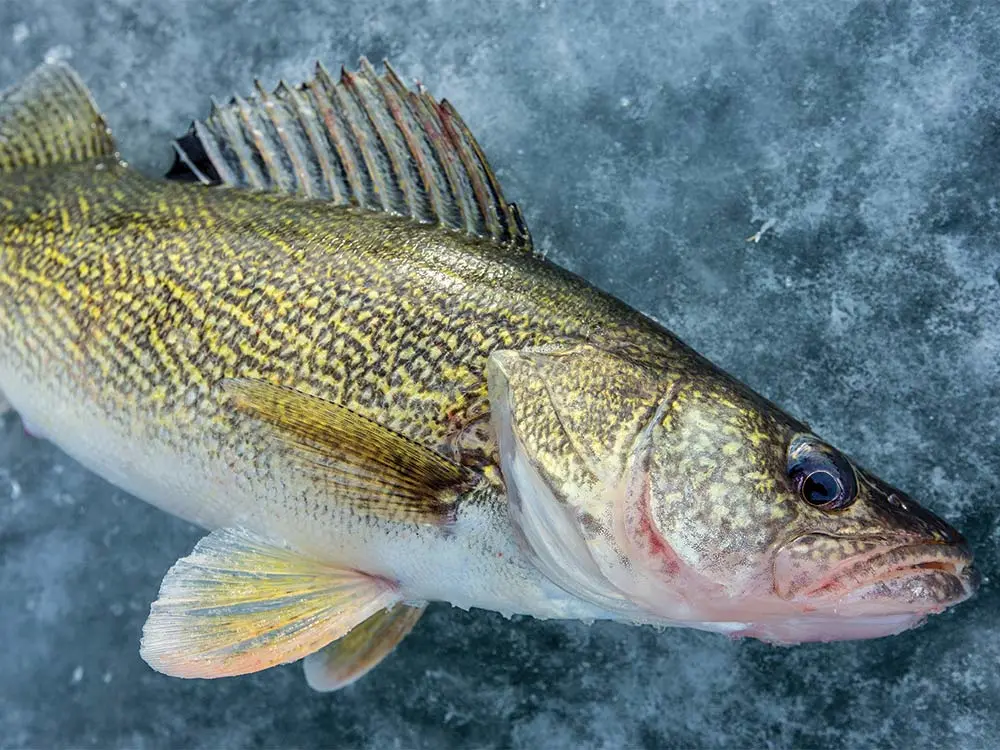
879 579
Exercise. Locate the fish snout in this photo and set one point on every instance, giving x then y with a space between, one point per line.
903 514
938 553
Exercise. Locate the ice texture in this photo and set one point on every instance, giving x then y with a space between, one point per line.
645 142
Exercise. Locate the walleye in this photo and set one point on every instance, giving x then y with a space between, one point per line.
326 338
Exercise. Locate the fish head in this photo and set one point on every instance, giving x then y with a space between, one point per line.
783 535
680 497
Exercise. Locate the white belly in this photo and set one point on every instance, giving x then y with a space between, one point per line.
475 562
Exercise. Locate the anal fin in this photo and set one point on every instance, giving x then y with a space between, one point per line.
342 662
240 603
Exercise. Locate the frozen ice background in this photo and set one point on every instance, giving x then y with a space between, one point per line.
645 142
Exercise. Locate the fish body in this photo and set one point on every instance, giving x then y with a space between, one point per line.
114 338
342 358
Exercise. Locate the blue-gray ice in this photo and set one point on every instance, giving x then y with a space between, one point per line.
645 142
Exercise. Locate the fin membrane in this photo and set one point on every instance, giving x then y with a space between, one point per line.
365 140
240 603
50 118
342 662
363 464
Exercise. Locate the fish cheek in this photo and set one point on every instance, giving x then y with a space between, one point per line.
715 495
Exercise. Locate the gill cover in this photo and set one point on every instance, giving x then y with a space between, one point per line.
572 425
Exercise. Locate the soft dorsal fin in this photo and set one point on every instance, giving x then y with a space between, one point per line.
365 140
50 118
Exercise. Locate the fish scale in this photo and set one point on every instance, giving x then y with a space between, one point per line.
361 308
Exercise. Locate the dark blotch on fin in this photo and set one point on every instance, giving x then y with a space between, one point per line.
364 140
191 163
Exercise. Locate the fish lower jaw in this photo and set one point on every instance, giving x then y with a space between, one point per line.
918 590
800 627
883 604
886 604
825 628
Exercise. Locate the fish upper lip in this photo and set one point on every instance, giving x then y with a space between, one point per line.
897 561
950 558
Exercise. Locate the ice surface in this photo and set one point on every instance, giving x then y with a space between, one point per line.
645 141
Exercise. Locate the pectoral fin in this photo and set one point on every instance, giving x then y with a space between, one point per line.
377 471
240 603
353 656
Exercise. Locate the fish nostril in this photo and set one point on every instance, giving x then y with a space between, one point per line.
921 520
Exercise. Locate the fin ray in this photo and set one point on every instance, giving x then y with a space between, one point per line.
365 465
347 660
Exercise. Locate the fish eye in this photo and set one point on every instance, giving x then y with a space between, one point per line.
821 475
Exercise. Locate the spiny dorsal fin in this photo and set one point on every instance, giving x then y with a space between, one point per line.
50 118
365 140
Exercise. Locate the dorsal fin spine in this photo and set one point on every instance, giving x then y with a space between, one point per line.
294 100
455 128
287 130
211 151
439 139
524 236
211 147
360 121
364 130
345 149
417 201
498 206
252 129
285 98
235 140
320 139
261 119
408 179
447 190
400 102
